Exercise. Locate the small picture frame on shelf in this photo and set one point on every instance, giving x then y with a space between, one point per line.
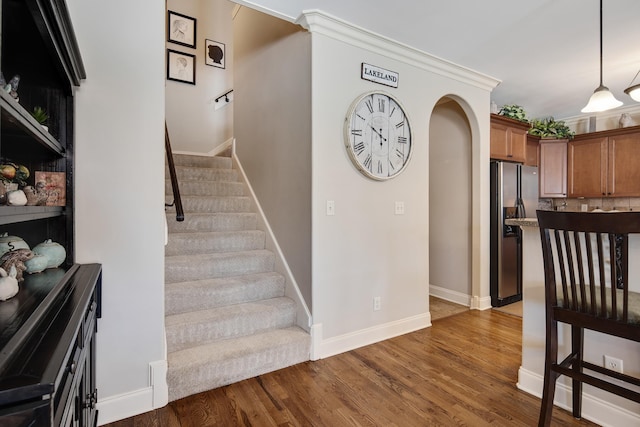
181 29
55 186
181 67
214 54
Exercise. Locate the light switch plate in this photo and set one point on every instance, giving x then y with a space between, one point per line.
331 207
399 208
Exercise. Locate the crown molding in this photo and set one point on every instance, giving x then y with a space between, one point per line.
316 21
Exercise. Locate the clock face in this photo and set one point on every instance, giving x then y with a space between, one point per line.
378 136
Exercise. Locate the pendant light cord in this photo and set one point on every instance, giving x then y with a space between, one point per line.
600 43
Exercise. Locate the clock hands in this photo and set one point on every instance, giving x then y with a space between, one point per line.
379 133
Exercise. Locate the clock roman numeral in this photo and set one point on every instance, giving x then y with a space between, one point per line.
381 105
369 104
399 125
358 148
360 116
379 166
402 140
391 165
367 162
399 153
356 132
392 111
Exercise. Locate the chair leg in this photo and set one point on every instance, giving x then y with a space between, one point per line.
577 347
550 376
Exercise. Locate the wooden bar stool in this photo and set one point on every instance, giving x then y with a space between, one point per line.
586 257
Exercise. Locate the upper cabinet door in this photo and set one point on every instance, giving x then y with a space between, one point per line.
553 168
508 139
587 168
623 179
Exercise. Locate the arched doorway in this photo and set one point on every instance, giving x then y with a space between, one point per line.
450 203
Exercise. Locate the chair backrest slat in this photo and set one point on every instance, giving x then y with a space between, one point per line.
586 261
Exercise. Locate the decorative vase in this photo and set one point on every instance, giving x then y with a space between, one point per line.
36 264
10 243
54 252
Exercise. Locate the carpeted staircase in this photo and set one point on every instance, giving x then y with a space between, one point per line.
227 318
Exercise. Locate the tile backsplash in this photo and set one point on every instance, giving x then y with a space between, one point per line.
604 203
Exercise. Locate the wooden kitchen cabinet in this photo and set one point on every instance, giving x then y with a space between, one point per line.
508 139
552 168
604 164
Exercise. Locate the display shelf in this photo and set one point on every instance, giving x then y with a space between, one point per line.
17 121
15 214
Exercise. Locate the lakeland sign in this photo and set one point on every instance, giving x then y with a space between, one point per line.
379 75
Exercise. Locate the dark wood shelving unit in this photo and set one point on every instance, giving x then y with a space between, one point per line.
47 331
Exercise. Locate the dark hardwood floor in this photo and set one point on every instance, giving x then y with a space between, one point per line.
461 371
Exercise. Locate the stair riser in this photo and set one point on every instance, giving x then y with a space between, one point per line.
204 174
205 374
202 161
206 188
203 295
202 268
230 221
230 325
199 243
213 204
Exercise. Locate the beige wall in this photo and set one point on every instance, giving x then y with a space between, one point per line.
119 195
273 129
365 250
450 203
196 123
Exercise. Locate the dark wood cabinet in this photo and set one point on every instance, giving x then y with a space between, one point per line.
552 169
604 164
47 362
47 331
508 139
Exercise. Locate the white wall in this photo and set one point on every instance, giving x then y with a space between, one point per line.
196 123
365 250
119 193
273 129
450 203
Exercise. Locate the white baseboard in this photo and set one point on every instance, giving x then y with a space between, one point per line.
449 295
220 148
125 405
594 409
322 348
121 406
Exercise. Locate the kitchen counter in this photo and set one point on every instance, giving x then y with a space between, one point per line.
598 406
522 222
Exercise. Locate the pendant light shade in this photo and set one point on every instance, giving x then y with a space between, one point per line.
602 99
634 90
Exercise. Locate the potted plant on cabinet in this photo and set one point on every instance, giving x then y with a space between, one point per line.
549 128
41 117
515 112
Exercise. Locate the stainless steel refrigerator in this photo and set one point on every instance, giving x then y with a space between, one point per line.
514 194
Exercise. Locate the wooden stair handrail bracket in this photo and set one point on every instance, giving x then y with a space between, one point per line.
177 200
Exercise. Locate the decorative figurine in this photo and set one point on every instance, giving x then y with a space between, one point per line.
16 198
8 283
12 87
16 258
626 121
55 252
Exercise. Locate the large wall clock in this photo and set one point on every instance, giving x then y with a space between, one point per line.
378 135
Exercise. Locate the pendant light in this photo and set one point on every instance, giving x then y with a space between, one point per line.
634 90
602 99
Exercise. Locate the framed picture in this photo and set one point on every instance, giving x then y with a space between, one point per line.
181 67
181 29
214 53
55 186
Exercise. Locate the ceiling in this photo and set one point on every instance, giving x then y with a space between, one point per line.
545 52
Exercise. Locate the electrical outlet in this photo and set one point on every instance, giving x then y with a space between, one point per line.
376 303
331 207
584 207
399 208
613 363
